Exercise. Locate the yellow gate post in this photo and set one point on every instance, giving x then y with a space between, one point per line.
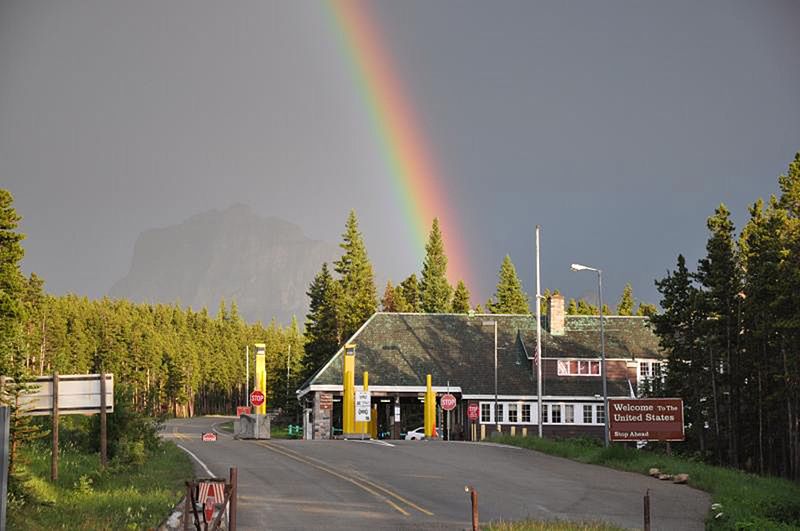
348 393
430 408
261 376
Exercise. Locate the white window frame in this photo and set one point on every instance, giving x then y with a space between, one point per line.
504 407
563 367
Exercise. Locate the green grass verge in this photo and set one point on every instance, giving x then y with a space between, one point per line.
557 525
746 501
86 498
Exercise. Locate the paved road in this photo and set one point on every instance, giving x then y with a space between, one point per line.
290 484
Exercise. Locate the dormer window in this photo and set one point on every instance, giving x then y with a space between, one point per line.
578 367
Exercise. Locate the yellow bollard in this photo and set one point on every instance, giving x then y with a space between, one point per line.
373 422
261 376
430 408
348 396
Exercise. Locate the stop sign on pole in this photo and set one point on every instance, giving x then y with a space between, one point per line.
448 402
257 398
472 411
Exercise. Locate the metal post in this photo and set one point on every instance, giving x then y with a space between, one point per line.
103 422
247 375
5 423
647 510
54 449
234 496
473 495
497 421
538 357
603 356
187 504
288 359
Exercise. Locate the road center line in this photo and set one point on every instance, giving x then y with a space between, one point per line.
202 464
293 455
365 480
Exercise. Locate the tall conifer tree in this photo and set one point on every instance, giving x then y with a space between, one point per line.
509 297
323 331
410 290
359 298
434 289
625 304
461 303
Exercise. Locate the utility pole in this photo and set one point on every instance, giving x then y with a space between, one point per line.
538 356
288 358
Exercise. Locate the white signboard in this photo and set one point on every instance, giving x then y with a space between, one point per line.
363 406
397 413
78 394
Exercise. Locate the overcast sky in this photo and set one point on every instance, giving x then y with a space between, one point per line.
617 126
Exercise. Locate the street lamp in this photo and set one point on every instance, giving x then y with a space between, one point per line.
579 267
494 323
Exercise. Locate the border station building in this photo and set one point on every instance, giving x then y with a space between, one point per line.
398 350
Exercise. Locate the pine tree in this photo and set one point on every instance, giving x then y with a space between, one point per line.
646 309
359 299
323 332
625 304
719 276
509 297
680 331
434 289
584 308
388 303
461 302
410 290
12 284
572 307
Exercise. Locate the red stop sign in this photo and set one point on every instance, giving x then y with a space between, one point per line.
472 411
257 398
448 402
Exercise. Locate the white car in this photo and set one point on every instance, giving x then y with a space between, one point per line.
419 434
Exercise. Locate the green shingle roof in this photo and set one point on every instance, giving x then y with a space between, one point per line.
400 349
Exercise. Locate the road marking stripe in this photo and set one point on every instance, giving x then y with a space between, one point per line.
361 478
391 493
338 475
202 464
371 441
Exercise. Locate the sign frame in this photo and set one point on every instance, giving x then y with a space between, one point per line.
630 420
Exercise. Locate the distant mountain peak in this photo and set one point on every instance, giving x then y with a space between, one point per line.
264 263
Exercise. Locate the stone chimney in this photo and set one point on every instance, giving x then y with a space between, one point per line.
555 314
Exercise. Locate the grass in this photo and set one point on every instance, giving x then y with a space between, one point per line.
740 500
85 497
557 525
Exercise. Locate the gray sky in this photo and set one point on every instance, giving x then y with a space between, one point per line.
617 126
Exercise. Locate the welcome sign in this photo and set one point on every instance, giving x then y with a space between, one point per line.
646 419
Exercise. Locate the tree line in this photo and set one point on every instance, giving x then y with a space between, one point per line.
732 331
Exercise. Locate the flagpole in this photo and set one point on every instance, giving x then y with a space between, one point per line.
538 357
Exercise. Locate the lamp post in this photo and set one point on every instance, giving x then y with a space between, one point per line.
579 267
494 323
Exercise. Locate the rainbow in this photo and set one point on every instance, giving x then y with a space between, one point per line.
415 177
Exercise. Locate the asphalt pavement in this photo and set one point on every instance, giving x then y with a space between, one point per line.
295 484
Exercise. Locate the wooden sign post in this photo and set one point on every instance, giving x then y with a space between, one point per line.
54 452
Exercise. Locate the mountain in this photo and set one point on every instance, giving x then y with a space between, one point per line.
264 264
